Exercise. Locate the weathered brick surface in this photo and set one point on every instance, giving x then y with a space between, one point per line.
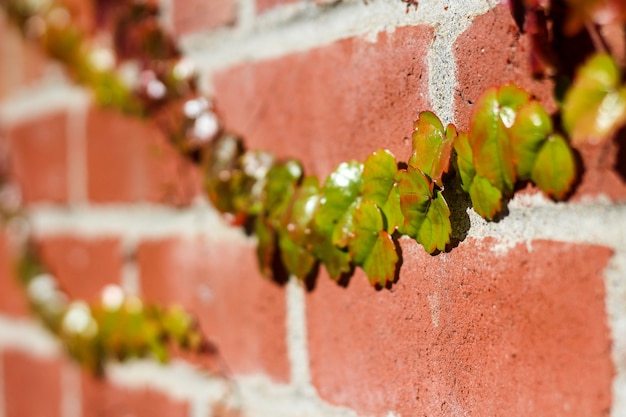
470 332
129 160
83 266
334 103
39 158
201 15
32 386
239 311
101 397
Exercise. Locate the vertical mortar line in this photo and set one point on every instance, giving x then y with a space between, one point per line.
130 281
3 412
297 343
77 154
71 396
246 14
442 64
616 311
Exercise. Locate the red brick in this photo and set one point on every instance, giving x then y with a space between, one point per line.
201 15
242 313
334 103
469 332
100 397
12 296
130 160
32 386
83 266
39 158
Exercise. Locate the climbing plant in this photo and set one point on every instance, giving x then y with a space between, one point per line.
355 216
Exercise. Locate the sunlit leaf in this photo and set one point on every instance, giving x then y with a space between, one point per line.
344 229
298 218
280 185
432 146
486 199
381 264
595 105
555 168
379 171
531 129
415 191
340 190
434 232
392 212
492 152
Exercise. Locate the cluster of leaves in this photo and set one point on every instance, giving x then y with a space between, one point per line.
119 327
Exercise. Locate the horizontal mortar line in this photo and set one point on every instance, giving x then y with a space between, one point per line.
533 217
529 217
41 99
178 379
138 221
300 27
27 336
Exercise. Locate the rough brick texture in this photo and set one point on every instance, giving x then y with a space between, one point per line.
470 332
241 313
83 266
39 158
32 386
201 15
129 160
334 103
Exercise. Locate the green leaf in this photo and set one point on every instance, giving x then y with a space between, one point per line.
379 171
486 199
339 192
280 186
297 220
432 146
595 105
344 229
372 248
392 212
415 191
336 260
266 245
555 168
492 152
434 233
530 130
464 161
298 260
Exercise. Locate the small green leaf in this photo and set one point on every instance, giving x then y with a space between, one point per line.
486 199
531 129
266 245
492 153
415 191
392 212
298 218
280 186
298 260
555 169
382 262
464 161
340 191
432 146
434 233
595 105
379 171
336 260
368 225
344 229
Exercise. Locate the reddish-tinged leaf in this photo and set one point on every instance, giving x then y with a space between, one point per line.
492 153
368 225
266 245
434 233
379 186
415 191
555 169
381 264
595 105
432 146
280 185
464 161
531 129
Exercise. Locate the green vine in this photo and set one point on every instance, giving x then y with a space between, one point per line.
355 216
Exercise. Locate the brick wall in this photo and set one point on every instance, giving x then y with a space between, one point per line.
526 316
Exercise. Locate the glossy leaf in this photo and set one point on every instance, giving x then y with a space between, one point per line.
415 191
492 152
340 190
371 247
280 186
555 168
531 129
432 146
434 232
379 171
595 105
486 199
298 218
